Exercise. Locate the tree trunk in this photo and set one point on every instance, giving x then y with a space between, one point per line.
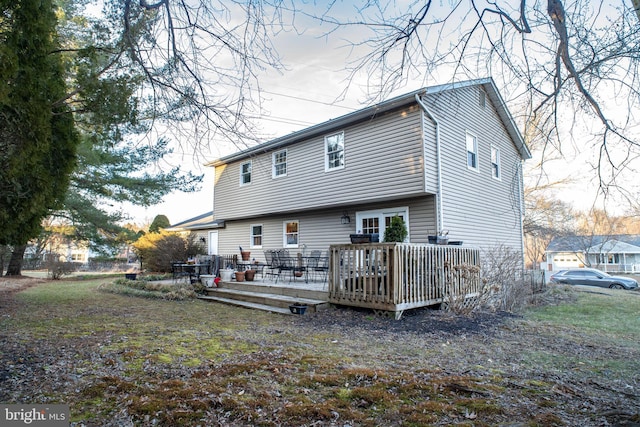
15 263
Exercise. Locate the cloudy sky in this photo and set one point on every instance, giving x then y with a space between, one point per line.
313 88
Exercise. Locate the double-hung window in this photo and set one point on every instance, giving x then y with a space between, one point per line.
334 151
290 234
472 151
245 173
495 162
256 236
280 163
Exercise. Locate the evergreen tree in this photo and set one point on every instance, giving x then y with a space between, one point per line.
38 139
158 223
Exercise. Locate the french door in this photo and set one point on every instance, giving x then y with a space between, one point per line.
377 221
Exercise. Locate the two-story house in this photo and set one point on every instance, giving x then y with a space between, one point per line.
446 157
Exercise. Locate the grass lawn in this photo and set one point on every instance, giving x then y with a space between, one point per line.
125 360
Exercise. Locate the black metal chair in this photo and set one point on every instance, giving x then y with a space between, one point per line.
272 268
322 266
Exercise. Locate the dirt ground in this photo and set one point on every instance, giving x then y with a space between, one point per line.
487 369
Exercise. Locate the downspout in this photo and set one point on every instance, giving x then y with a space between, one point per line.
520 174
439 217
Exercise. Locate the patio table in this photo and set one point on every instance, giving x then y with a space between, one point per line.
193 271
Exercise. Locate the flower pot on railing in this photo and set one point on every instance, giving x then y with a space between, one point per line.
246 255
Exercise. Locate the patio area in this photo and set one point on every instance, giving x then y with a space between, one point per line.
385 277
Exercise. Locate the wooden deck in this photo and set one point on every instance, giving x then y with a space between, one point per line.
386 277
399 276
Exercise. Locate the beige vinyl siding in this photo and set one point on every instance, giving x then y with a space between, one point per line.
321 228
383 159
477 208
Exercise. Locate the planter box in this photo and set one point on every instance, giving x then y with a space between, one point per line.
438 240
365 238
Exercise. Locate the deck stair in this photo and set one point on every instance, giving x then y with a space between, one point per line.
268 296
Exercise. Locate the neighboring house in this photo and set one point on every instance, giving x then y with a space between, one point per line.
443 158
612 253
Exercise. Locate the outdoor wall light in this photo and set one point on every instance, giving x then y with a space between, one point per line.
345 218
203 240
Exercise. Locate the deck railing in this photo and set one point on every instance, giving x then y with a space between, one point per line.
400 276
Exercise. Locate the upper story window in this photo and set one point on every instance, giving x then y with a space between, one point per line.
334 151
495 162
245 173
280 163
472 151
256 236
291 231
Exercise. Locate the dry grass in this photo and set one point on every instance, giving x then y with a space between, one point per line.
121 360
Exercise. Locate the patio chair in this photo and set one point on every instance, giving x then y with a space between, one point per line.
285 263
272 268
322 268
313 261
217 263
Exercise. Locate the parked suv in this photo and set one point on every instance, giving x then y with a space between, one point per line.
593 277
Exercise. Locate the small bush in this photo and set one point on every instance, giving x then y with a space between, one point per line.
56 268
502 278
461 281
397 230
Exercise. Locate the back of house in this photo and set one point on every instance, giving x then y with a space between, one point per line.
446 159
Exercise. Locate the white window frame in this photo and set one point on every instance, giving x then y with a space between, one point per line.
243 173
274 164
328 166
285 240
475 167
253 236
496 167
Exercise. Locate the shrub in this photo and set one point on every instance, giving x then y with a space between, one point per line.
158 250
502 278
397 230
462 280
57 268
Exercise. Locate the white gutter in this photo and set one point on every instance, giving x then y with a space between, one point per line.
440 224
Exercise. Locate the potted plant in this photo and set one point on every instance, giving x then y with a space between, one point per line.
246 255
396 231
240 276
226 274
298 308
439 239
249 275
